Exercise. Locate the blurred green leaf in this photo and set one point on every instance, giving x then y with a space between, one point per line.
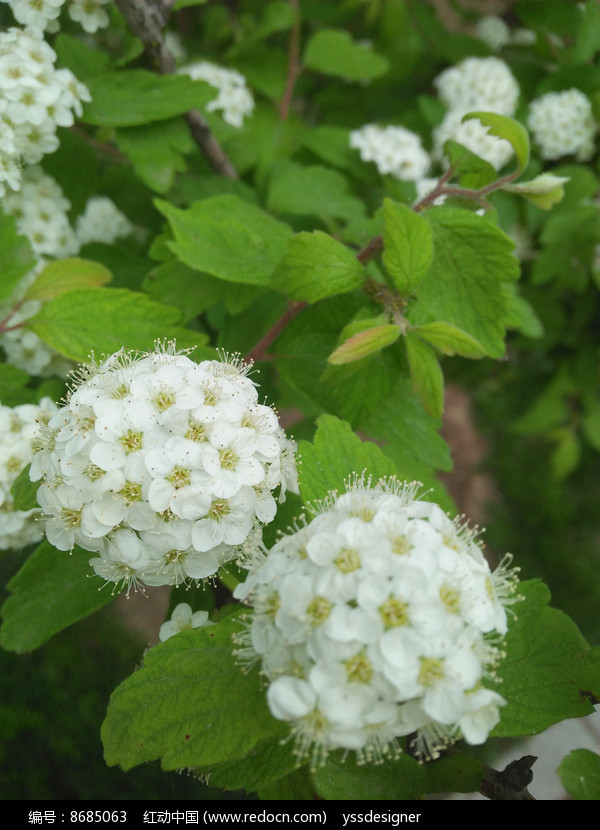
131 97
579 772
64 275
332 52
53 589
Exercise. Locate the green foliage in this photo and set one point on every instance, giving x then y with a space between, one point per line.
580 774
335 453
426 375
113 318
316 266
65 275
189 705
408 246
17 256
401 780
131 97
548 670
463 287
228 238
52 590
332 52
359 301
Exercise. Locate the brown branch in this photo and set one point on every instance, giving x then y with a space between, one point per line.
510 784
146 19
294 68
259 351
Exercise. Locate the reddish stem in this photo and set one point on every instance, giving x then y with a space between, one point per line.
259 352
294 68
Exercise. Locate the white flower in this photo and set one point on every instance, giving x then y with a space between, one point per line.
149 465
234 98
379 618
484 84
91 14
183 619
101 221
394 150
562 124
19 426
493 31
35 97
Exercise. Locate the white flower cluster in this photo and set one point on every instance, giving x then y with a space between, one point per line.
234 98
394 150
102 221
18 426
378 619
43 14
35 99
182 619
476 84
161 465
41 212
494 32
562 124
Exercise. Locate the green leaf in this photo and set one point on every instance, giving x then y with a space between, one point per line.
157 151
189 705
463 287
365 343
104 320
24 491
449 339
312 191
472 171
458 773
401 424
544 191
407 246
425 374
579 772
293 787
183 4
566 454
64 275
132 97
50 592
16 256
316 266
267 762
12 381
507 128
340 780
227 237
78 56
335 454
332 52
547 674
192 292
